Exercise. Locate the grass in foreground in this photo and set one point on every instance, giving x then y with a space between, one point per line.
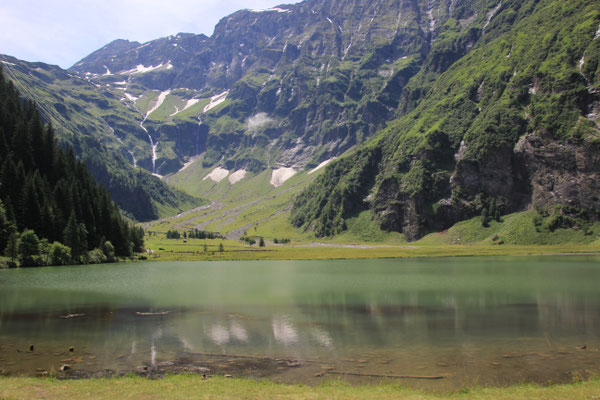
193 387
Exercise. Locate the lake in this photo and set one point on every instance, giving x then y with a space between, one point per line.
476 320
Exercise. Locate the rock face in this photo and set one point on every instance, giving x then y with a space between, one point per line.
455 108
326 75
496 121
562 173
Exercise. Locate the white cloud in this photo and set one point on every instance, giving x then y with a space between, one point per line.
64 31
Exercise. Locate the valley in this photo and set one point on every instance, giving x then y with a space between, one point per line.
344 198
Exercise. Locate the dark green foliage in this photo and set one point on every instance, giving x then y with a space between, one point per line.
221 248
261 242
173 234
193 234
75 236
46 193
7 227
29 249
337 194
60 254
248 240
200 234
462 116
12 246
109 251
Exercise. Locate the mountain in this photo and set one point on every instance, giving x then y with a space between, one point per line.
47 194
511 125
90 119
428 112
289 86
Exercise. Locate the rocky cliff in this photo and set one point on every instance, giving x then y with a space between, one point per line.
510 125
292 85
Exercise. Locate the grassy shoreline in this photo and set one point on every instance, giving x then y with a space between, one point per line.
195 250
192 386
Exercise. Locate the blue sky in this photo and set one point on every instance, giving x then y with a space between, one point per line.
64 31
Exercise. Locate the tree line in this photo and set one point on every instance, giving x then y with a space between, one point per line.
192 234
48 198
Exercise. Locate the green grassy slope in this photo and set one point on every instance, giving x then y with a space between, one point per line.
98 126
455 153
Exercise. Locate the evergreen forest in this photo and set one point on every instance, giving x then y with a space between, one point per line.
52 211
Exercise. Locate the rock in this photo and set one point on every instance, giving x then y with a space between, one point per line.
31 348
228 376
71 349
293 364
582 347
64 368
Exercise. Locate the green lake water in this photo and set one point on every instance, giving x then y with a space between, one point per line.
491 321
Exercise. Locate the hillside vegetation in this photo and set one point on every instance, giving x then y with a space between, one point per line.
52 211
510 126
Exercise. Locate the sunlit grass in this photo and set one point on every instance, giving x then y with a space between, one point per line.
194 387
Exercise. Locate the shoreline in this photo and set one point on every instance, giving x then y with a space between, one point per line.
193 250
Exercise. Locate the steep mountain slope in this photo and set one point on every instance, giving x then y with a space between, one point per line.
289 86
511 125
100 129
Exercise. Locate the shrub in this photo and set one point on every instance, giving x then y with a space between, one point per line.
60 254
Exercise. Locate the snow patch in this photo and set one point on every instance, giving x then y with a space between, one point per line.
107 73
258 120
187 164
318 167
217 174
279 10
8 63
279 176
141 69
597 33
161 98
216 100
131 98
237 176
189 103
120 83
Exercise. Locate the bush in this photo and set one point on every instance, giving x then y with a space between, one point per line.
109 251
29 249
60 254
96 256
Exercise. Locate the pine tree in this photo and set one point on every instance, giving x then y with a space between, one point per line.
12 247
29 249
75 236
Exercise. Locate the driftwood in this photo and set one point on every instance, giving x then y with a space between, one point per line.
260 358
149 314
386 375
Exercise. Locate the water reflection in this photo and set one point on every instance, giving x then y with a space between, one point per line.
284 331
465 317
